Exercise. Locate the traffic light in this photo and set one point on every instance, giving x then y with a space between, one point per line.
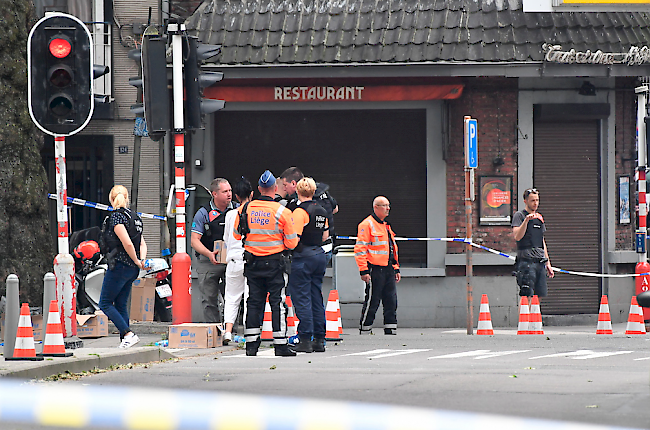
195 80
60 74
155 104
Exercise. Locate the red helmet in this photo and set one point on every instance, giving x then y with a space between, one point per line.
87 250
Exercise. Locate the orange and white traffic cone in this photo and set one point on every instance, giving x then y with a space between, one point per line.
604 319
524 316
332 317
635 323
267 325
334 295
535 317
484 320
292 319
53 345
24 347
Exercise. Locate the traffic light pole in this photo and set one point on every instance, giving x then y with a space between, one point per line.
181 262
63 262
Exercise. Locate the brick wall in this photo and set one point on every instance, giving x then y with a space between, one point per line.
625 154
493 102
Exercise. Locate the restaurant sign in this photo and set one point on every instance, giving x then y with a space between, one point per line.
635 56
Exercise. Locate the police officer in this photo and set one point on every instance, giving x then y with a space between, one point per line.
376 255
208 226
533 263
308 268
267 230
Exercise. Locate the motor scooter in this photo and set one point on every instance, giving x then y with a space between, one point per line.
91 266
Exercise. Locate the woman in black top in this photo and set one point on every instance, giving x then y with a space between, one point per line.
127 252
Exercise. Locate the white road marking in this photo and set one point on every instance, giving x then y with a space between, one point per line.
400 352
601 354
374 351
564 354
499 354
640 359
462 354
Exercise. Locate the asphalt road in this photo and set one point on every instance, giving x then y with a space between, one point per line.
568 374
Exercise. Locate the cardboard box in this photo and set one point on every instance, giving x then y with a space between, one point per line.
92 325
195 335
37 327
220 245
143 294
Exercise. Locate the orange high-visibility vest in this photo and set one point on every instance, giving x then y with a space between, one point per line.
271 228
372 244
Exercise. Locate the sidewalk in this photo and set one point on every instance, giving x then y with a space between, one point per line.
103 352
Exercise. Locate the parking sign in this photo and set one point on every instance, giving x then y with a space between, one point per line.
471 143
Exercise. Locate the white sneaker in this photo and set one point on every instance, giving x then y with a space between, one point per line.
227 337
129 340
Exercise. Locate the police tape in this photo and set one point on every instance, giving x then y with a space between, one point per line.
100 206
510 257
77 406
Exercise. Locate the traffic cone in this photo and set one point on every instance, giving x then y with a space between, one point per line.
24 347
635 323
604 320
334 295
292 319
523 316
267 325
484 319
332 317
53 345
535 317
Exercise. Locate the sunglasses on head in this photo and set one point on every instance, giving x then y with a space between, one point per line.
530 191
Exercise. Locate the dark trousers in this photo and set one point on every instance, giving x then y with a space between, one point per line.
115 295
305 288
382 288
264 275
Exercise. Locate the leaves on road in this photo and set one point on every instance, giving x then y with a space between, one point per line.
273 367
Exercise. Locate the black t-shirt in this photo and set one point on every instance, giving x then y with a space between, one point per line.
115 219
532 244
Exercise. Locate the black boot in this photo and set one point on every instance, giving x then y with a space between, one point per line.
284 351
389 331
252 347
318 345
304 345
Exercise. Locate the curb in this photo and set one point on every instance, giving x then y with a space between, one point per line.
39 370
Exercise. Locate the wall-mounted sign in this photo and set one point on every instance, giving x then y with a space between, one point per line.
333 93
624 200
495 205
634 57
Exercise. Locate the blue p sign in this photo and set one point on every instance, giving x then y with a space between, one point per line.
471 143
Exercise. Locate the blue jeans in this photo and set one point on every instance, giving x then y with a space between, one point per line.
115 295
305 283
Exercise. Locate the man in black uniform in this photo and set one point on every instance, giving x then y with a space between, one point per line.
208 226
533 263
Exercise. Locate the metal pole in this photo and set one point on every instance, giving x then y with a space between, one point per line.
181 262
12 314
468 253
63 262
641 169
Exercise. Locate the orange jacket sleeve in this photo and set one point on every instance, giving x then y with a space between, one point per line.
288 228
361 247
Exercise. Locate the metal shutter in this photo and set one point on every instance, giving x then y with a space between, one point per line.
360 154
566 172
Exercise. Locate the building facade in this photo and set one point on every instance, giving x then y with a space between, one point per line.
369 97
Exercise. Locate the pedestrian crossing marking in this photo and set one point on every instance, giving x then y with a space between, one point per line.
462 354
642 358
564 354
374 351
480 354
601 354
500 354
400 352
